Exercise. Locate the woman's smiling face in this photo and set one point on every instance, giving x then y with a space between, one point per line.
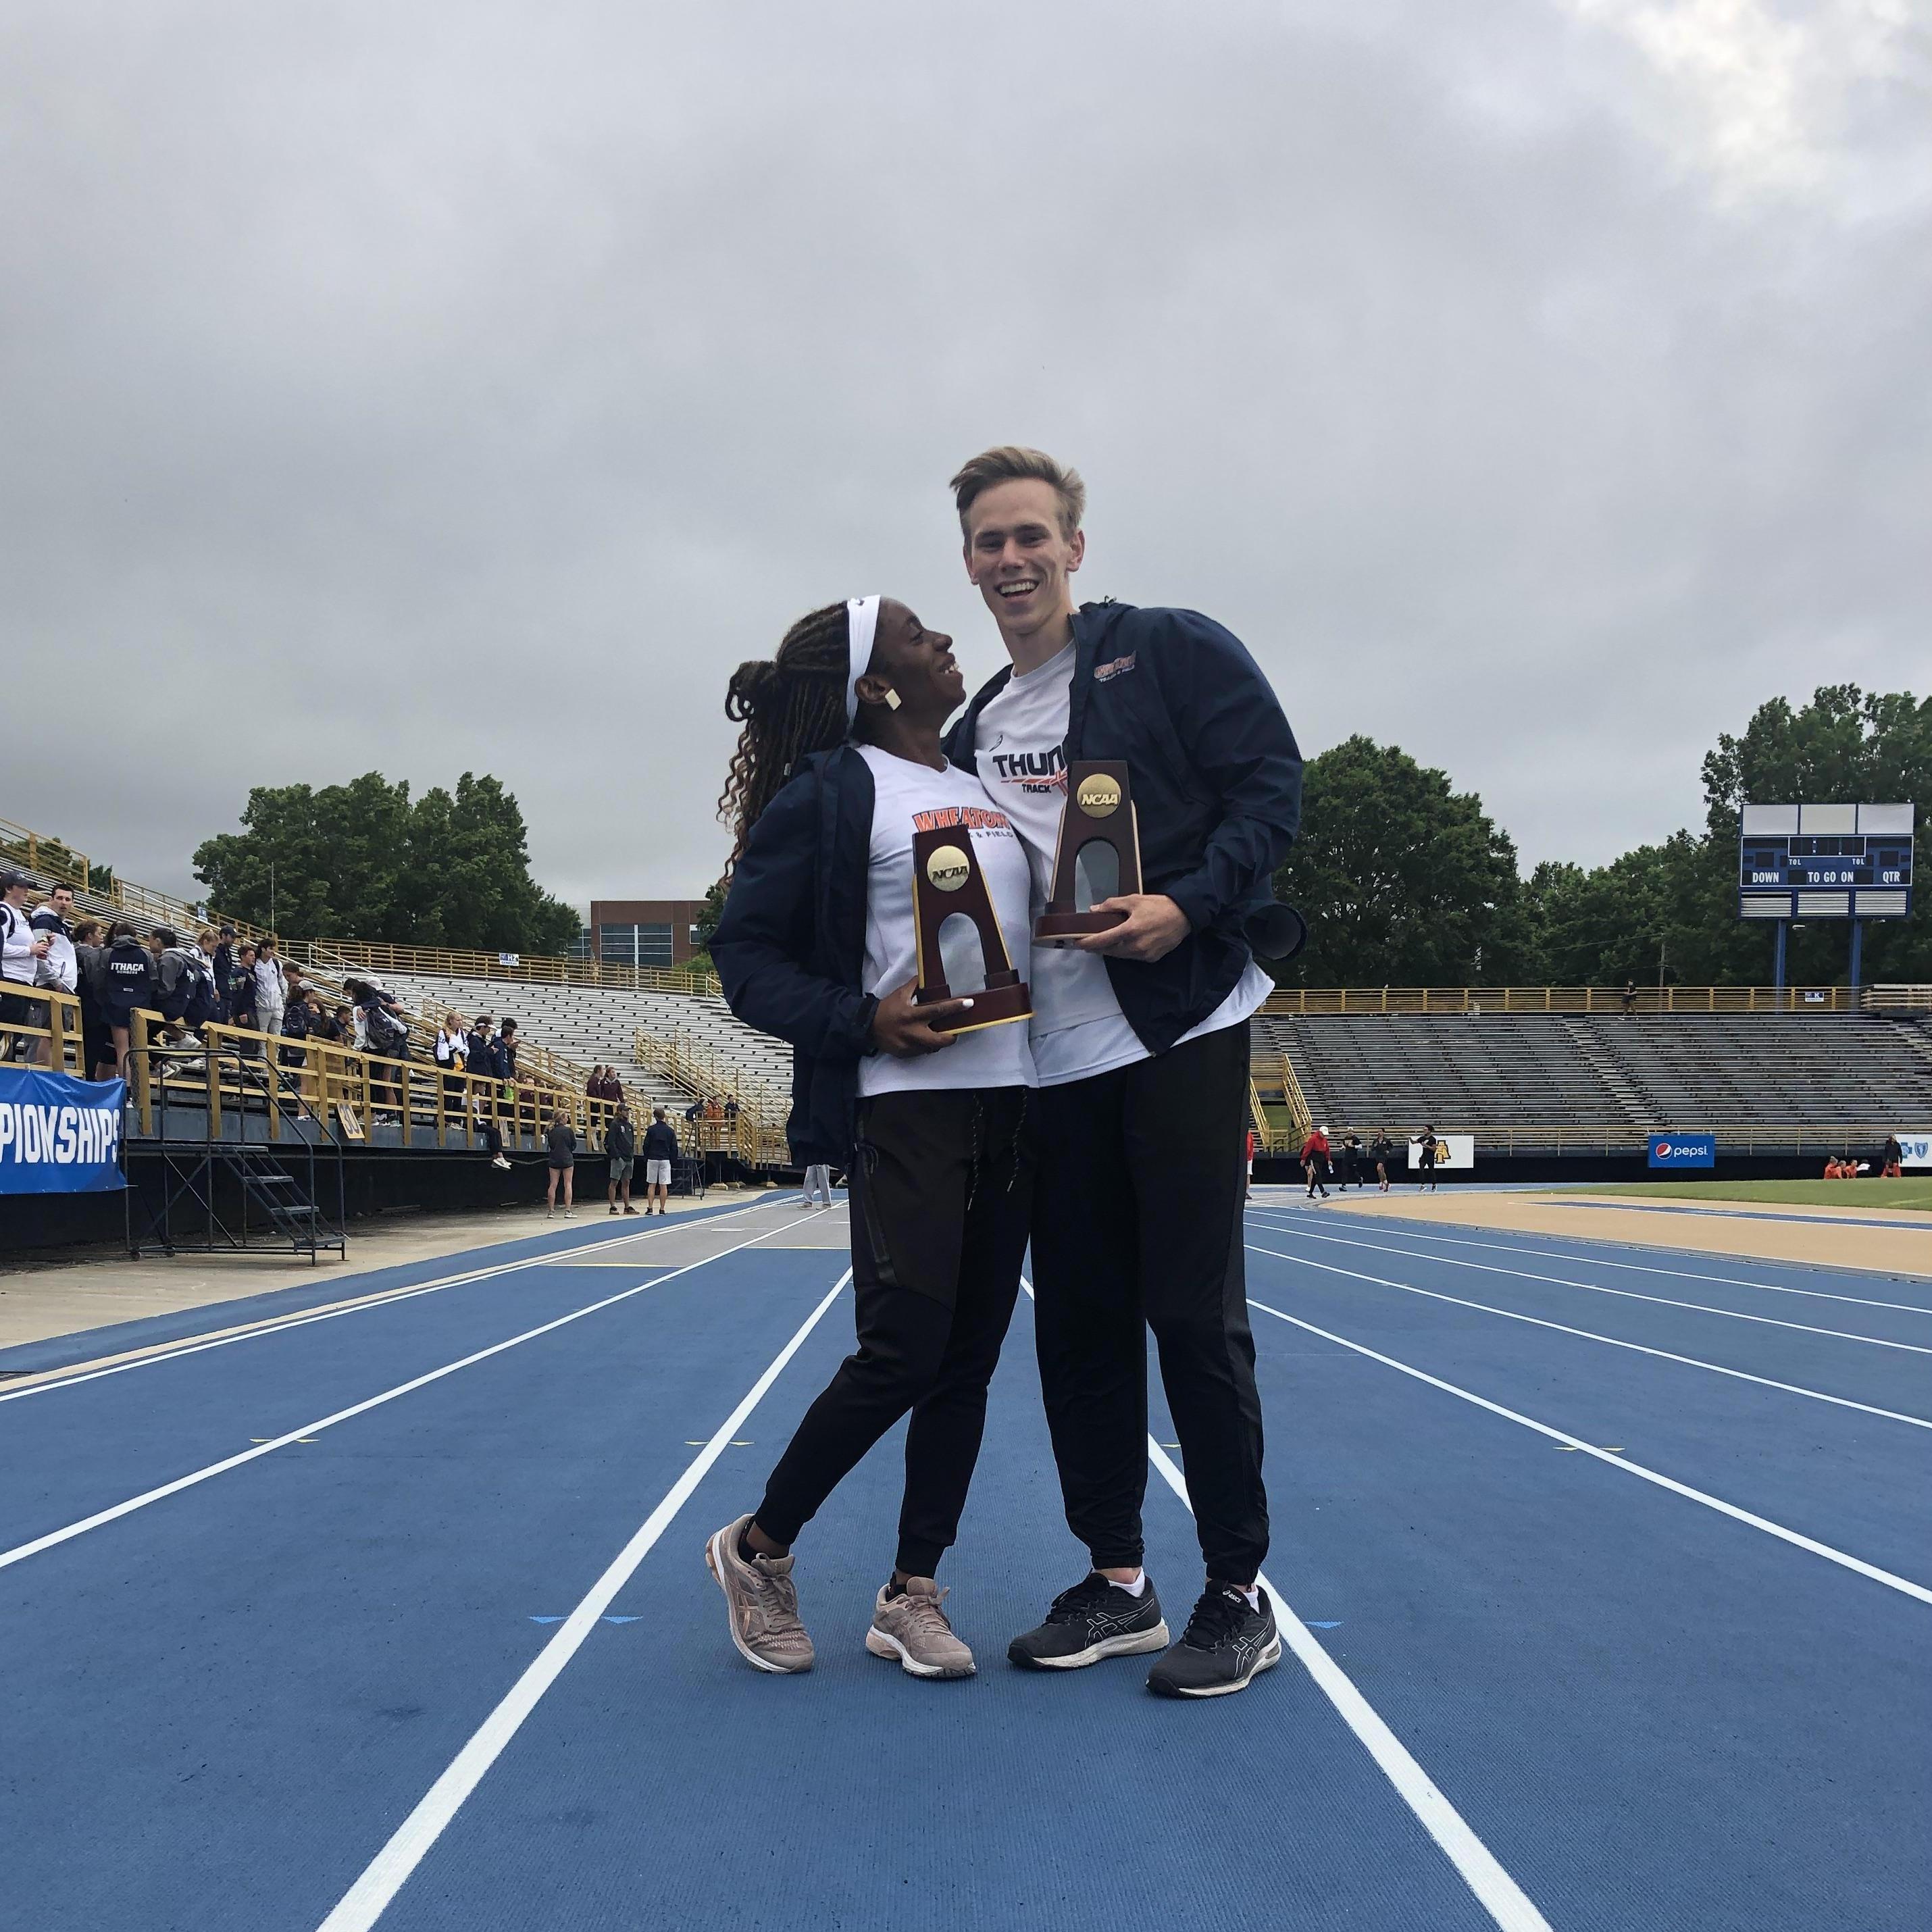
917 664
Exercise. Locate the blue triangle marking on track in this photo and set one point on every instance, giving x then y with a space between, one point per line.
546 1620
1336 1625
622 1620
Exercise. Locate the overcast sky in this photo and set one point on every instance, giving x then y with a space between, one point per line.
1538 385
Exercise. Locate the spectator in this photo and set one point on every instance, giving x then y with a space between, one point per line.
694 1112
271 988
242 988
817 1186
183 993
90 951
58 967
660 1151
452 1055
1381 1151
130 976
22 950
1892 1162
1248 1192
620 1144
224 969
1314 1161
560 1145
382 1034
1629 998
296 1022
482 1044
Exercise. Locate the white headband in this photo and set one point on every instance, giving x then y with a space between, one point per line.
861 622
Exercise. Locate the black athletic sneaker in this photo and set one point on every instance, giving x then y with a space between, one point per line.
1093 1620
1224 1644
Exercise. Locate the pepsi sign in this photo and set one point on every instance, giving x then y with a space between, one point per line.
1683 1149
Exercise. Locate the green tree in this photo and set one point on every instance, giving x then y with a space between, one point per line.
361 861
1403 881
1678 901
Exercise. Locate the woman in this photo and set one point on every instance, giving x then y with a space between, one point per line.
129 971
840 751
561 1143
452 1055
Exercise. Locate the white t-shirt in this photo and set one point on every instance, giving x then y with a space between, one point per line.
904 793
1079 1029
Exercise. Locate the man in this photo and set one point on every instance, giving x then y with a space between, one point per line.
620 1144
660 1151
59 967
1315 1151
222 967
271 987
1425 1160
1140 1034
22 951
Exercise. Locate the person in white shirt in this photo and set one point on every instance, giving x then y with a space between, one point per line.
22 951
1140 1034
271 988
924 1106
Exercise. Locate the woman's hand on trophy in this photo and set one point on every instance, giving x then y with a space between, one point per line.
1154 926
902 1028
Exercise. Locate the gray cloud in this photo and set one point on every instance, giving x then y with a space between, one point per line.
1539 386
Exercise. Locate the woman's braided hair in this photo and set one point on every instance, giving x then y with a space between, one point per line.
790 705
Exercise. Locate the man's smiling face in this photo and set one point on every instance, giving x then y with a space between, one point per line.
1018 555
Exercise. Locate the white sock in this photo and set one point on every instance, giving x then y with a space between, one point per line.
1137 1588
1253 1595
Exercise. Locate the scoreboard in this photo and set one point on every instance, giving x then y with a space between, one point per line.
1824 862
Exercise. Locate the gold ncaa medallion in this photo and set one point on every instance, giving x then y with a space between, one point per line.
948 868
1099 795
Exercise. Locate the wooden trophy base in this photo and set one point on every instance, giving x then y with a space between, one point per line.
1056 928
993 1006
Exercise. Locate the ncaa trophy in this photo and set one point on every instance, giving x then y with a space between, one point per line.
947 883
1100 811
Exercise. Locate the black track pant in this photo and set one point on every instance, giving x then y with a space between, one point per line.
941 1192
1139 1225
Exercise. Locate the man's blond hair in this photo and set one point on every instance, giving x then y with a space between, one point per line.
1010 463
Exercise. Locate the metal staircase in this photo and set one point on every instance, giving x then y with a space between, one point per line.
216 1195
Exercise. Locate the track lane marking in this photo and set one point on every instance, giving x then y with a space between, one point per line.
385 1874
275 1324
1590 1335
1624 1293
1902 1584
100 1518
1498 1895
1638 1267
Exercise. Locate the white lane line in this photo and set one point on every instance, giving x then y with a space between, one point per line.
366 1901
278 1324
1498 1895
1638 1267
1623 1294
21 1552
1590 1335
1902 1584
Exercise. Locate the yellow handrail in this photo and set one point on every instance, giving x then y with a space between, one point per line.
1366 1000
758 1132
523 968
59 1026
1298 1108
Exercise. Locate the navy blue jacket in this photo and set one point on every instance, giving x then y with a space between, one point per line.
1215 779
790 944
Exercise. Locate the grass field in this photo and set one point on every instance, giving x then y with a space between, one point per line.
1912 1193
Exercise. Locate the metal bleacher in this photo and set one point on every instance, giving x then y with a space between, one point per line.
1561 1083
602 1023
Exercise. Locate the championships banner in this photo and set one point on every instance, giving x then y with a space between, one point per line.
59 1135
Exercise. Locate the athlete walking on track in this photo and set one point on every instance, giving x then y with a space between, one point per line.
1140 1040
839 763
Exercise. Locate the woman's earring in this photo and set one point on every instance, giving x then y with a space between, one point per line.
891 699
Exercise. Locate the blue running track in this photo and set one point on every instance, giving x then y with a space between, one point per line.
1614 1618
